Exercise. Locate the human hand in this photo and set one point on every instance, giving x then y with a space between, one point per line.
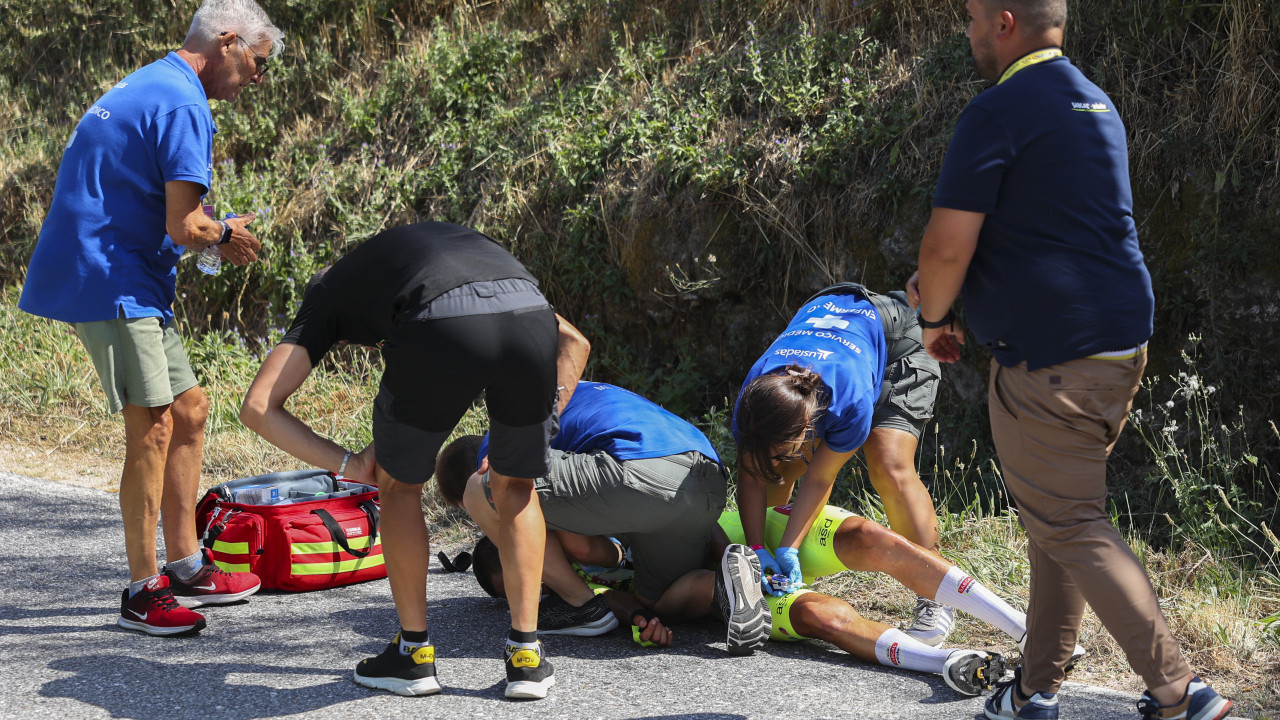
242 247
943 344
360 468
648 630
913 290
768 566
789 561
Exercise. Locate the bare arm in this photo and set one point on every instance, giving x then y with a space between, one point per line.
571 359
188 226
813 494
945 252
263 411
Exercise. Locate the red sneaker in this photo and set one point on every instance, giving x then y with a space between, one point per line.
154 611
211 585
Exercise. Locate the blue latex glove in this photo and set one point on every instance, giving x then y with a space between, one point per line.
768 566
789 561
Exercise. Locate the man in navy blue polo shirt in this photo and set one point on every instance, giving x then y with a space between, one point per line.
1033 222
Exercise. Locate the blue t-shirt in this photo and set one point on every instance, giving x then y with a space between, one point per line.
605 417
841 337
103 250
1057 274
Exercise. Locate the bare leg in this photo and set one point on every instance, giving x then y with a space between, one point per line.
870 547
891 464
827 618
182 473
147 432
406 548
557 573
587 549
522 537
691 596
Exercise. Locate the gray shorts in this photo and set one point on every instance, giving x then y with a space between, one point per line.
663 508
910 382
139 361
910 375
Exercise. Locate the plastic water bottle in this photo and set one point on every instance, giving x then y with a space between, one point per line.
210 259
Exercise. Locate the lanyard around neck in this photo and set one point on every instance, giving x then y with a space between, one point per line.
1025 61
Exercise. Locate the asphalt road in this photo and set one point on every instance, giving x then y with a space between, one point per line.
282 655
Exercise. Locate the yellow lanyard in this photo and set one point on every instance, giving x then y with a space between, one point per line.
1038 56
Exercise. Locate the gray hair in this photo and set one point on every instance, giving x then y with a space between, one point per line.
243 17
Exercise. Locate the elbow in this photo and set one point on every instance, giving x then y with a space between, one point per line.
252 413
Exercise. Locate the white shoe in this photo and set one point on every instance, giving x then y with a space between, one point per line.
931 622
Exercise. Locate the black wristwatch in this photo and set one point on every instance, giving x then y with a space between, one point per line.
226 233
946 321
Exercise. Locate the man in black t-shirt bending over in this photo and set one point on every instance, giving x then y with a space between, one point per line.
453 314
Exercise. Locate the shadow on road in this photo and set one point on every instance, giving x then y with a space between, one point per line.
131 687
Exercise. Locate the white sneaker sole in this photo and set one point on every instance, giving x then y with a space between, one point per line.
155 630
747 616
529 689
407 688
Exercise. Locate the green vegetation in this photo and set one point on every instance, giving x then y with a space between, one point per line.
680 174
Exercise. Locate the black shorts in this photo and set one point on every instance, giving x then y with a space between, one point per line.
435 369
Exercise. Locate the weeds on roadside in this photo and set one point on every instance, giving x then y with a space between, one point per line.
1213 491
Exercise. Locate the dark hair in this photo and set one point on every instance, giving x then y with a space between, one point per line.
1037 15
487 565
774 409
454 465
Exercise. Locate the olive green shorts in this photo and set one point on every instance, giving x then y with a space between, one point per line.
139 361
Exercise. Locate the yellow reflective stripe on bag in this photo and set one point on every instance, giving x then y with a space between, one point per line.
332 568
323 548
232 567
231 548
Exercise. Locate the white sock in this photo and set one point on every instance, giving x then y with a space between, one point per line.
959 590
898 649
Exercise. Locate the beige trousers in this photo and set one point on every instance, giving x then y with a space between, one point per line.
1053 429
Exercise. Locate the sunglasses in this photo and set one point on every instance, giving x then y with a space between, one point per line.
260 62
799 453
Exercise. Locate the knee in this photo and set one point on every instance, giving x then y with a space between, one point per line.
154 431
893 474
823 617
190 411
862 544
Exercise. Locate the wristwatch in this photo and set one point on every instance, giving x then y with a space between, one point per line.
944 322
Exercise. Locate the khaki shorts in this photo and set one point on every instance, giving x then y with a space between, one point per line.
139 361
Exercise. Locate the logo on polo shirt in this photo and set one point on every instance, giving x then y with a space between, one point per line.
828 321
793 352
1090 107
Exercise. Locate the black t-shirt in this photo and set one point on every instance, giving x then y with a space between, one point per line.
391 279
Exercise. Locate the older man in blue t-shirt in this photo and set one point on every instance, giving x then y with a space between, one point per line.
126 205
1033 220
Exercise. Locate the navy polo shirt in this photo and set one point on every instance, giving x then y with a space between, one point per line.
1057 274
